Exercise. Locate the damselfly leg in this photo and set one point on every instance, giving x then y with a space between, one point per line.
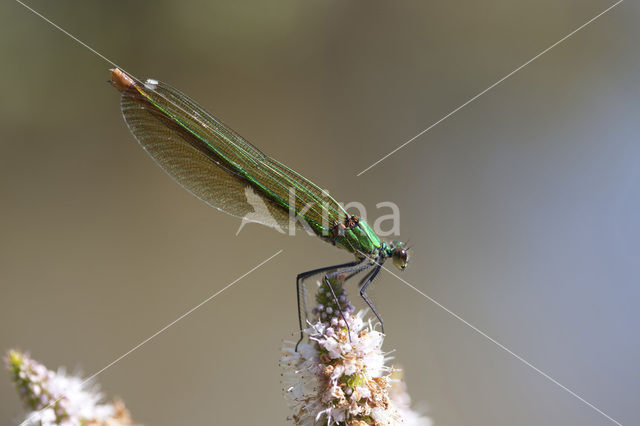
363 288
352 271
301 292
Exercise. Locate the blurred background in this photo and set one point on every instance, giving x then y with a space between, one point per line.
522 208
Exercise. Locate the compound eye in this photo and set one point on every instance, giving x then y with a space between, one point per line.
400 258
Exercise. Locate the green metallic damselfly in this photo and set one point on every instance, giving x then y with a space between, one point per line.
217 165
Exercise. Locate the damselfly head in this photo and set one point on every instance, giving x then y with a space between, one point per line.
399 255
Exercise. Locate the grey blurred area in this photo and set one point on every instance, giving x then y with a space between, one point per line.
523 209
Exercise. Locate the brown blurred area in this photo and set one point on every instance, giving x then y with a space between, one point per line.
522 208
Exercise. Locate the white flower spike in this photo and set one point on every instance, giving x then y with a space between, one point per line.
340 376
58 399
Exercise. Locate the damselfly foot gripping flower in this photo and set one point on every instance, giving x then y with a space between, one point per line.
340 376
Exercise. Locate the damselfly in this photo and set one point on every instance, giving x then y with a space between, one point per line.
221 168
